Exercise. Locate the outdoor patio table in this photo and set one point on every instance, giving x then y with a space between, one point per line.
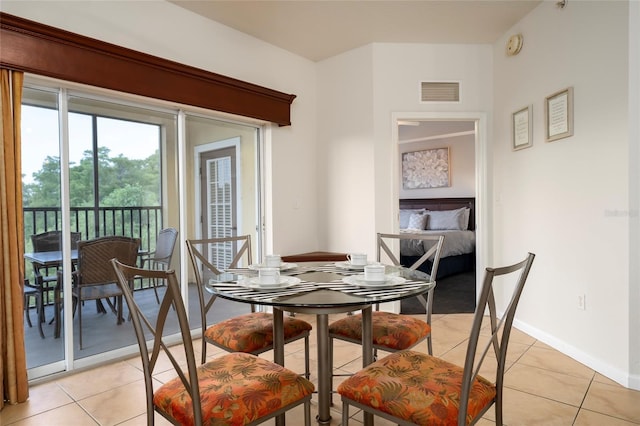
53 259
321 291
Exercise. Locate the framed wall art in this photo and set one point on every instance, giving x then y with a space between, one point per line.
558 115
426 169
522 128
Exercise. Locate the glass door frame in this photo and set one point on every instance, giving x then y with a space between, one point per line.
66 89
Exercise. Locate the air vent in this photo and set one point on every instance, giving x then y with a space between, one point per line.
431 91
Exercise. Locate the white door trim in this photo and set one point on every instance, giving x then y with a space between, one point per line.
484 242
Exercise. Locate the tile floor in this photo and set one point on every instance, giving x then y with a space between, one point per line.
542 387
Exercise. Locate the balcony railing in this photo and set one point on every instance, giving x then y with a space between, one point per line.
136 222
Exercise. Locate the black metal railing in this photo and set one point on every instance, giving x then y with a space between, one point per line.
136 222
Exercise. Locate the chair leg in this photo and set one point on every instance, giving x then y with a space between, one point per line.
331 364
120 310
80 324
39 309
57 309
307 369
27 299
345 413
155 289
204 349
41 293
307 413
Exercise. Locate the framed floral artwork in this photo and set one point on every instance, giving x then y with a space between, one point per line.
426 169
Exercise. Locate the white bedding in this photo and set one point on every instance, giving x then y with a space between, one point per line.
455 242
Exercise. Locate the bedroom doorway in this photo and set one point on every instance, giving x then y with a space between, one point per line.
462 137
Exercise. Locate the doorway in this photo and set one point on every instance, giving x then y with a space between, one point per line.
447 129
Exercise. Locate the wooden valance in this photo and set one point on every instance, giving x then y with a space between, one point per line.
40 49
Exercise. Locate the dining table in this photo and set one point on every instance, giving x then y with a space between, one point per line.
321 289
53 259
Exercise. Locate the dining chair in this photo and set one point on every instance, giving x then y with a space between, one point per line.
394 332
44 282
233 389
250 333
94 278
160 258
32 293
413 388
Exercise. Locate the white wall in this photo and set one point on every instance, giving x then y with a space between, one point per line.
345 152
398 71
567 201
358 92
168 31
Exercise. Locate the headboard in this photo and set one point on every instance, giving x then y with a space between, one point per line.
442 204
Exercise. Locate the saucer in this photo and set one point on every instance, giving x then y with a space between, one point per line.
285 282
283 266
349 266
359 281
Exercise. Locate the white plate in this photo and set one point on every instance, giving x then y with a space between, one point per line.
255 284
283 266
359 281
349 266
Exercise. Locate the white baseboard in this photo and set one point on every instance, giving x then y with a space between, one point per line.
624 378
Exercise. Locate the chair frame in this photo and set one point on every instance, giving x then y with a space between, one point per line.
498 341
43 283
161 257
100 281
245 248
30 292
426 300
434 251
172 299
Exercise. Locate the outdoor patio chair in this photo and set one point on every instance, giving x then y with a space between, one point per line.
43 281
94 278
160 258
32 293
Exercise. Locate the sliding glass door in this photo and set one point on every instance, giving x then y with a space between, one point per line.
96 166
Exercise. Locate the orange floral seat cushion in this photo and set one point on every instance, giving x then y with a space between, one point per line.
235 389
418 388
390 330
252 332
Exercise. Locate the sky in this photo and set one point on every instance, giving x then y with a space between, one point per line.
40 138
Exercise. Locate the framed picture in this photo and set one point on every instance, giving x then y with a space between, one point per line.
425 169
558 115
522 128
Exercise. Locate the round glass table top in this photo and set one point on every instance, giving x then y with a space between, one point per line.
319 286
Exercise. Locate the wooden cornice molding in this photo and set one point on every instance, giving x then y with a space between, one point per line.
40 49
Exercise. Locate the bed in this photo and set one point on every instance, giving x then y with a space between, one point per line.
452 217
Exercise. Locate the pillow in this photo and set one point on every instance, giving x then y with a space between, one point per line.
465 219
405 214
449 219
418 221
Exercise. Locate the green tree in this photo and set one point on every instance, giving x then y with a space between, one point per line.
123 182
45 189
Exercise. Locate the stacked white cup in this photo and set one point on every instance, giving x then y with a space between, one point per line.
374 273
357 259
269 276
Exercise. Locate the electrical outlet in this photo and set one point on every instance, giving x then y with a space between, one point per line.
582 302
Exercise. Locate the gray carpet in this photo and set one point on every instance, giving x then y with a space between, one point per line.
453 294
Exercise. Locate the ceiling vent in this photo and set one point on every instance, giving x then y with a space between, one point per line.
437 91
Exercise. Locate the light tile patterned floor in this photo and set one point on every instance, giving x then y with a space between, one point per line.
542 387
